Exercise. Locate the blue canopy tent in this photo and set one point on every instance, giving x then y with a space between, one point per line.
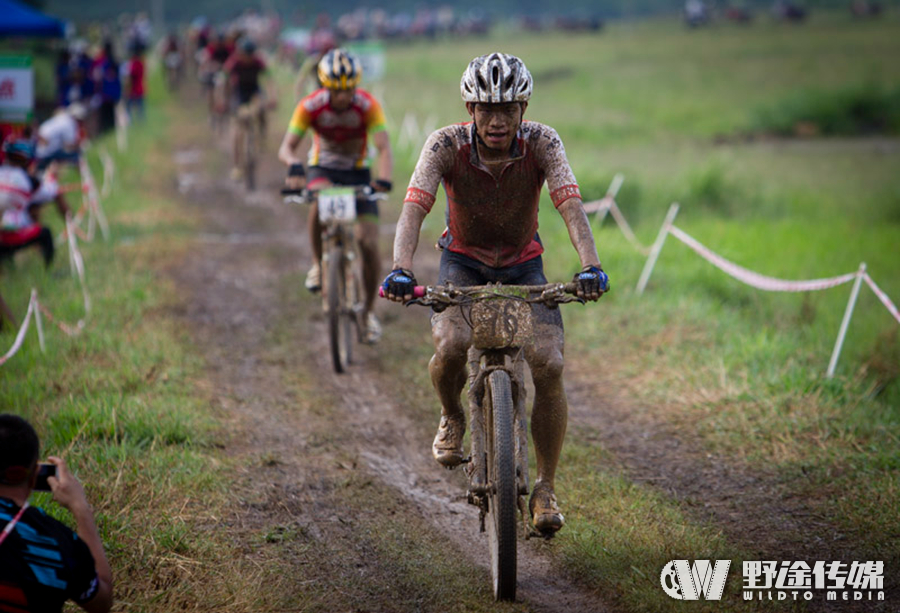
20 20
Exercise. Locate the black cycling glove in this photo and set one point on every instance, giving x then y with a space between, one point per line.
399 283
591 280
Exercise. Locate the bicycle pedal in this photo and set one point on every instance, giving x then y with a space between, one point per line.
544 535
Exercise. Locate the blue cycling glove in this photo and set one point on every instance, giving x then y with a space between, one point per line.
399 283
591 280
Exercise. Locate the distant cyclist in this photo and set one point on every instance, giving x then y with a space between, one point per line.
492 169
212 57
341 117
245 70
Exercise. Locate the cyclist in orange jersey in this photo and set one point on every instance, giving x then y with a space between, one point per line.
341 117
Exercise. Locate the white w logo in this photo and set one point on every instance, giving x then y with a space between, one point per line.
683 581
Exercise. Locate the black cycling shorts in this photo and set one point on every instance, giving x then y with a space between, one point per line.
461 270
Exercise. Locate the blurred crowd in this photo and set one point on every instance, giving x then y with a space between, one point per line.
99 79
703 12
97 89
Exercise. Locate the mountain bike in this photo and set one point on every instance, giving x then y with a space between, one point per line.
214 84
342 296
249 123
172 62
500 317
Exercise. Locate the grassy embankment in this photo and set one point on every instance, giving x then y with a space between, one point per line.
124 402
738 370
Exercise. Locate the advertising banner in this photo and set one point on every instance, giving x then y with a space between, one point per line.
16 89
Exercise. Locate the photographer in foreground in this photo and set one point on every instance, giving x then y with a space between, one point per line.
42 562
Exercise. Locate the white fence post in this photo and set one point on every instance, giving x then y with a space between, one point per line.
611 194
848 313
657 247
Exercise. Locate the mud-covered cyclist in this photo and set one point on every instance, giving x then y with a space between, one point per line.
493 169
342 116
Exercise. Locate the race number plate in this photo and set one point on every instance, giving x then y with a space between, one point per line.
337 203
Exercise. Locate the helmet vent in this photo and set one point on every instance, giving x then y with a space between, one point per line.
495 74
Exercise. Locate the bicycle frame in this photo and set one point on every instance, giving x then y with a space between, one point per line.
502 326
482 362
342 295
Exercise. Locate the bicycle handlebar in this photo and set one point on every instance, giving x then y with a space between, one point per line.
305 195
550 293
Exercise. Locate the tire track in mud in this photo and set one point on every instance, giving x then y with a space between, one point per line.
250 244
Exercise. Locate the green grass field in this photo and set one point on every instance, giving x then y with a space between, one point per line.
742 370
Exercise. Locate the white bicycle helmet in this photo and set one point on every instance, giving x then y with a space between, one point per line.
496 77
339 70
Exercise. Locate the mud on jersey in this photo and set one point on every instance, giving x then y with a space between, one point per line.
493 219
341 137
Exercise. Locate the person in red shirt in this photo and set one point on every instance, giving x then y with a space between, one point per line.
133 75
245 70
493 169
341 117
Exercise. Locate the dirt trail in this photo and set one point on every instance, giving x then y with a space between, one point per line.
235 284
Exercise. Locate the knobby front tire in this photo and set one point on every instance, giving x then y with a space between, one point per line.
249 158
502 502
353 324
337 318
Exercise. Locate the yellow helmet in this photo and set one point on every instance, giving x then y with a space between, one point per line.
339 70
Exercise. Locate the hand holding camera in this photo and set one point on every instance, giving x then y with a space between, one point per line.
67 490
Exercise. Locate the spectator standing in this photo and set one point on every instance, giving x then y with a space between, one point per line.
110 87
133 75
63 76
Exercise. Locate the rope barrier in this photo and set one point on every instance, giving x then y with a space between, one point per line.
90 206
890 306
20 335
608 205
754 279
770 284
35 308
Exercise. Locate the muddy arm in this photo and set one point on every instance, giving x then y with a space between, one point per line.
407 238
580 233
